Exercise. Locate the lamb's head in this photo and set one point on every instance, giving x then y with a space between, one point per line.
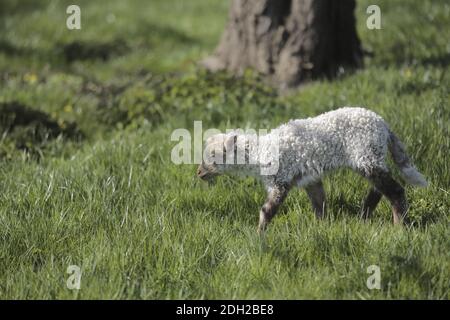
215 155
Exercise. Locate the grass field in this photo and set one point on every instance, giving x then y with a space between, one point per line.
140 227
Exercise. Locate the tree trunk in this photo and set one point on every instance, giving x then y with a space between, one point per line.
290 41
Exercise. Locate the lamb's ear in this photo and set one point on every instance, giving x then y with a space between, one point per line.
230 143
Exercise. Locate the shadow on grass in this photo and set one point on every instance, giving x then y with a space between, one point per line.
162 33
13 7
411 267
151 34
27 129
9 49
437 61
404 59
79 50
83 50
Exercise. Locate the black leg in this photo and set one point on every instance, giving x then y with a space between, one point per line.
395 193
275 198
370 203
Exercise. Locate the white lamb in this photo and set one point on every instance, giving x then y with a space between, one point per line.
353 138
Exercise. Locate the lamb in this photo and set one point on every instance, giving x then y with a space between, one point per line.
348 137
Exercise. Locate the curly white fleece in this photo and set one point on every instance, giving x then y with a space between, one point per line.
350 137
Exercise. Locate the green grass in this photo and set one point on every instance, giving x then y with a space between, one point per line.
141 227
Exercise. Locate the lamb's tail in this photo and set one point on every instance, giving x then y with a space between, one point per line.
401 159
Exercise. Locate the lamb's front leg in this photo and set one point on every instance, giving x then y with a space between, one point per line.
274 199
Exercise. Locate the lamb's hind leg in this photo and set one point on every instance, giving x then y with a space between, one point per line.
371 202
392 190
316 195
275 198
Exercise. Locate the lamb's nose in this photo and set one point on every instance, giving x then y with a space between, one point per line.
199 172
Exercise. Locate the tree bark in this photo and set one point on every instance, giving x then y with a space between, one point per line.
290 41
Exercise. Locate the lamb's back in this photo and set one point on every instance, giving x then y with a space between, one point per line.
333 139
